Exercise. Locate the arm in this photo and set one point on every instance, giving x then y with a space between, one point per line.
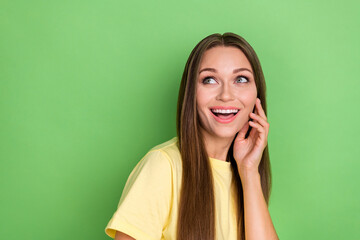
248 153
258 224
146 200
122 236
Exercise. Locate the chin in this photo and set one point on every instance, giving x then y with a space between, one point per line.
228 133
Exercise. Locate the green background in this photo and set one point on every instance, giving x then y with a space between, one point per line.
88 87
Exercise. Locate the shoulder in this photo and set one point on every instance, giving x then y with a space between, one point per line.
168 145
169 149
147 197
159 160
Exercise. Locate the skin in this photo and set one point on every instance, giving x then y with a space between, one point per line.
226 88
122 236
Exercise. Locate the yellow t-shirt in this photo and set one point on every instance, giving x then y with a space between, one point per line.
148 207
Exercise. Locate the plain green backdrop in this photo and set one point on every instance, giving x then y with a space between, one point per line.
88 87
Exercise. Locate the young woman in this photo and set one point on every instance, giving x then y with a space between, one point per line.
213 180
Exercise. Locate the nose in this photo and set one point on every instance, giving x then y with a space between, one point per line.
225 93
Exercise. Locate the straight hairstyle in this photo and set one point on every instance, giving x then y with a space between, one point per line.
196 216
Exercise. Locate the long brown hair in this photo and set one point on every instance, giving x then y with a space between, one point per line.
196 216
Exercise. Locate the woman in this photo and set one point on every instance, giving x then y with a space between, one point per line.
213 180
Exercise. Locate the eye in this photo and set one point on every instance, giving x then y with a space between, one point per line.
208 80
243 78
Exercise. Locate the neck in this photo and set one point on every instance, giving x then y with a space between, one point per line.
216 147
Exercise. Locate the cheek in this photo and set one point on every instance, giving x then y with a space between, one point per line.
201 98
252 105
247 97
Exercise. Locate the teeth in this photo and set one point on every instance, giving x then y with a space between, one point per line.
224 111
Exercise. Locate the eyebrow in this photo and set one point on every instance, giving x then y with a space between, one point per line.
235 70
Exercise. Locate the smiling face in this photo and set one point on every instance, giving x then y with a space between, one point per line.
226 91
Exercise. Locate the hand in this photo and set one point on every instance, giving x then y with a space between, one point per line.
248 151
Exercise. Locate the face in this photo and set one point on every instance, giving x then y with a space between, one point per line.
226 91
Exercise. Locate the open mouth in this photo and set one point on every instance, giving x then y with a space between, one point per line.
225 114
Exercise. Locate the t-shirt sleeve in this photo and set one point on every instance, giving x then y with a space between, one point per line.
144 206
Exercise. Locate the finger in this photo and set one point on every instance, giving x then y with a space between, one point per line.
259 128
255 112
260 120
260 109
252 114
242 132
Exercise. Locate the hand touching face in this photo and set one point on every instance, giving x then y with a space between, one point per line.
226 91
248 151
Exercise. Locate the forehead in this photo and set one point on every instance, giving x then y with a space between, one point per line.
224 57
